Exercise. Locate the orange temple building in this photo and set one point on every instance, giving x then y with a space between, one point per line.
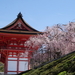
12 40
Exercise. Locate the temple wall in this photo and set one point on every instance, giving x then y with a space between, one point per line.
17 65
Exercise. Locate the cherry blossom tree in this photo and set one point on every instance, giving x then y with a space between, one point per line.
52 43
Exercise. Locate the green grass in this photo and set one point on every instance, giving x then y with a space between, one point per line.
1 67
61 66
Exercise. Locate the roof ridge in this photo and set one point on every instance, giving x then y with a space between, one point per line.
12 24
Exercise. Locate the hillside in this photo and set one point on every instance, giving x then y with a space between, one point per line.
62 66
1 67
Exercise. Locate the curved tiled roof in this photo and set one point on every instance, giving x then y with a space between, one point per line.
18 32
26 24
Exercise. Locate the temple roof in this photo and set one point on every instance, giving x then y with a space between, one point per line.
19 25
19 32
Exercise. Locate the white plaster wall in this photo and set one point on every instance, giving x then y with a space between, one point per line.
12 58
23 58
12 65
23 65
12 73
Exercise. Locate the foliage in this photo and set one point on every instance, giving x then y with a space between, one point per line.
53 43
62 66
1 67
62 73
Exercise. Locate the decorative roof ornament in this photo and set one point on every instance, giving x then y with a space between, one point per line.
20 25
19 15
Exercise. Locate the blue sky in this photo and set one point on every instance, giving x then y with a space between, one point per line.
38 13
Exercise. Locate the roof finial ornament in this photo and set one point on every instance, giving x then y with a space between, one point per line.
19 15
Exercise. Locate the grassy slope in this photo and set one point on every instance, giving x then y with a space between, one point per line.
61 66
1 67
